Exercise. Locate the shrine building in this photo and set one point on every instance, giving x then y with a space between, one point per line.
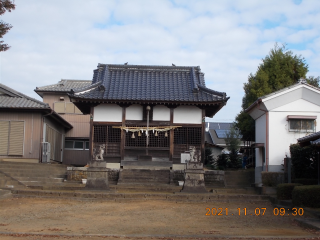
147 113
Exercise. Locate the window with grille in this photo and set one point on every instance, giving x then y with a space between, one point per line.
76 145
187 135
106 134
100 134
301 125
109 136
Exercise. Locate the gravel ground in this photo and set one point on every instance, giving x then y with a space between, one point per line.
53 218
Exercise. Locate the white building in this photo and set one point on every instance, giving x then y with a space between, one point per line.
281 118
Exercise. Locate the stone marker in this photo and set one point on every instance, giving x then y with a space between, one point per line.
97 175
194 174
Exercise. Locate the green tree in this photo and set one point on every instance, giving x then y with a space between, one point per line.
208 156
280 69
5 5
233 144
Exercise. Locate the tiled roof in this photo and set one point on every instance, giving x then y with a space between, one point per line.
65 85
300 83
310 137
10 98
316 142
149 83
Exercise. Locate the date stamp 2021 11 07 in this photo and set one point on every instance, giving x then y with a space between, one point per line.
254 212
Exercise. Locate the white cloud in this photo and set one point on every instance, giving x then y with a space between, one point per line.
56 39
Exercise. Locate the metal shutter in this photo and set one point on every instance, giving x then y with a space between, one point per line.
69 108
16 138
59 107
4 137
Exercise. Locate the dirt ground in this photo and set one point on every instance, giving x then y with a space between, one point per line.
39 218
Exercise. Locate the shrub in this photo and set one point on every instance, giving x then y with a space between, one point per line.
306 181
208 156
307 196
304 161
284 190
272 179
222 161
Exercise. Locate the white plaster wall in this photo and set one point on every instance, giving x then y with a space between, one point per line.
187 114
300 105
161 113
280 138
107 113
134 112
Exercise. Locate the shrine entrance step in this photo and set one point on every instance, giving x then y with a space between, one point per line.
149 165
144 176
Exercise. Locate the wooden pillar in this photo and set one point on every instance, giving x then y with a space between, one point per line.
91 135
171 136
203 135
123 133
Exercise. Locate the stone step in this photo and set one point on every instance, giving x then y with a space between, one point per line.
5 168
142 176
17 175
152 165
40 179
5 194
111 196
31 174
30 165
32 168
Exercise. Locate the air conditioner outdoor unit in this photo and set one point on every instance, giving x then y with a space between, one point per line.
46 152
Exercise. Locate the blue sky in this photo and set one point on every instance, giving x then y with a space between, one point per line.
66 39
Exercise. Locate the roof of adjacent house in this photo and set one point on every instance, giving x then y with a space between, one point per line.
152 84
11 99
312 138
302 82
217 131
65 85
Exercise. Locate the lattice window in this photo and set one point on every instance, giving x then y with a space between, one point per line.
106 134
187 135
100 134
154 141
114 135
159 141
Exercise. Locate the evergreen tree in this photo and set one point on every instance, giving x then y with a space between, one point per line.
233 144
280 69
5 5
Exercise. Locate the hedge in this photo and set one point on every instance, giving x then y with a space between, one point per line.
306 181
304 161
284 190
307 196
